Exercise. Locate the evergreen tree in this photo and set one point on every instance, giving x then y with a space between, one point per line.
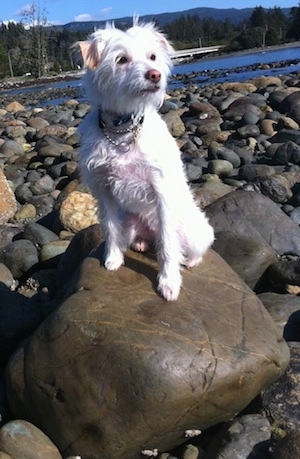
258 18
294 24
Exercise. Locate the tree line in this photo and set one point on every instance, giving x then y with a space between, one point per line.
30 47
265 27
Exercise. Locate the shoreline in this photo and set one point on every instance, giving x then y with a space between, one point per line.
245 52
7 84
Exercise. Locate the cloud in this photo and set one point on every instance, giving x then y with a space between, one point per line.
84 17
105 12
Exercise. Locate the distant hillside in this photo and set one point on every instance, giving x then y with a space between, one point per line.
233 14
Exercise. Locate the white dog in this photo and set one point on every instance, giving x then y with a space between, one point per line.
129 159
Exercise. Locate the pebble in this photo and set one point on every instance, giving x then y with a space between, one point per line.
23 440
20 257
39 234
232 136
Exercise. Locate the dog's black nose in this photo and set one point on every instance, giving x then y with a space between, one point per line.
153 75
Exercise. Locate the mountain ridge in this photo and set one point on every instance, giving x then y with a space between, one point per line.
234 14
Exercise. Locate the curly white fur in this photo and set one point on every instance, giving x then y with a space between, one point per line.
142 190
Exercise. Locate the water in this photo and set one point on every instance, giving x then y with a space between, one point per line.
208 70
239 67
226 63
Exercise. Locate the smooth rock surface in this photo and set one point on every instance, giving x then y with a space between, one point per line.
22 440
247 437
116 369
243 212
247 256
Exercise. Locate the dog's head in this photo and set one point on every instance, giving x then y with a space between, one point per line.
127 71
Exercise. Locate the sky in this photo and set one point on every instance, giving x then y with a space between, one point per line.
64 11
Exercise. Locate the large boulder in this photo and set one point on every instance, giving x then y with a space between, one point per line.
255 216
116 370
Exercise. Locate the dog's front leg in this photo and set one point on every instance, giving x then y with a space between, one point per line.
115 245
169 253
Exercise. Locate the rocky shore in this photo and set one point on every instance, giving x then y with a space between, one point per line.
95 365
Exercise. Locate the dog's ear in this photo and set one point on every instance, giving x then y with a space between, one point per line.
92 49
90 54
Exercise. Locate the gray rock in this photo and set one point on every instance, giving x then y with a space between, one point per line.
250 172
248 436
295 113
287 152
289 102
285 135
39 234
55 170
221 152
247 256
250 118
52 251
81 110
208 125
33 176
220 167
43 203
54 149
19 256
277 187
10 148
37 122
43 185
193 172
56 130
15 132
8 232
295 215
174 123
23 193
285 272
277 96
281 308
244 212
249 130
210 191
239 107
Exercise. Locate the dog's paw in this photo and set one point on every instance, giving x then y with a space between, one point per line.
113 262
191 262
169 286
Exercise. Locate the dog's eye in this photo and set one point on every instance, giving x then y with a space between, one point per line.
153 57
121 60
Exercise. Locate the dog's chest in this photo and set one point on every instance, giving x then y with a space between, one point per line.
130 182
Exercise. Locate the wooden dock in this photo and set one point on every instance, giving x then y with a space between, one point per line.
184 54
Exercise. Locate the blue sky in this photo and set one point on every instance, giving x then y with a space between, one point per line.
64 11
